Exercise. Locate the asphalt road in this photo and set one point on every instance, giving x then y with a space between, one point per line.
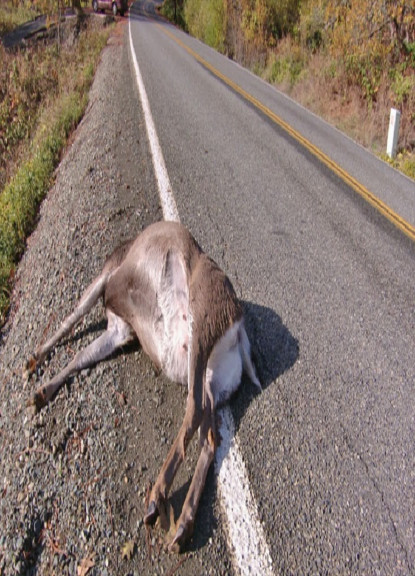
327 282
329 291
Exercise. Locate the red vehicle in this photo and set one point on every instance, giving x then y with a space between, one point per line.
116 6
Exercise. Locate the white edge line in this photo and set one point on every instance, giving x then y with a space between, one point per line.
250 548
248 543
168 202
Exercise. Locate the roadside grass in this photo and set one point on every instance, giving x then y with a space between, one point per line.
43 99
342 106
320 83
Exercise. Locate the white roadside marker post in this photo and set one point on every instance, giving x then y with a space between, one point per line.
393 133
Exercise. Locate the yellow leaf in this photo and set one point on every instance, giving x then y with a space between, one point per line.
127 550
86 564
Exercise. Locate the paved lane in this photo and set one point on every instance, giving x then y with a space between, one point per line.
329 289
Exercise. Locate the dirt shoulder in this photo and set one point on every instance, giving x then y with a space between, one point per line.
74 477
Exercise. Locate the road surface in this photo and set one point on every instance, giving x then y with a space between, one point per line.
328 284
315 234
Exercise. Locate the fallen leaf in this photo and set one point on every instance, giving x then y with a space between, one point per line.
127 550
86 564
122 399
170 524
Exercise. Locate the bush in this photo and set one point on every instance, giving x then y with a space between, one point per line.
285 64
206 20
173 11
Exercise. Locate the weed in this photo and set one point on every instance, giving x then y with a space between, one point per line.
404 161
42 101
14 14
407 165
286 64
403 86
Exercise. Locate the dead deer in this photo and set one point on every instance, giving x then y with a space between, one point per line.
164 290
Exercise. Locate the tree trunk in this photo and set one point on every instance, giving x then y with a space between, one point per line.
76 5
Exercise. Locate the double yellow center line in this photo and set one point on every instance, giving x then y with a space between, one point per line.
373 200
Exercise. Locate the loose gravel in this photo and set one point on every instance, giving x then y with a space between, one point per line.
75 476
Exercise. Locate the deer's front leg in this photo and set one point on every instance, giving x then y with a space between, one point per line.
117 334
89 298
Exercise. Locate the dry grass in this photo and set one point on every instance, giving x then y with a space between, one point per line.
320 84
350 71
13 14
43 95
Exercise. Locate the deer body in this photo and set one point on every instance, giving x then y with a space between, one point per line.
164 290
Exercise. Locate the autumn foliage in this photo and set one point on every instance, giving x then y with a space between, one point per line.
360 54
371 37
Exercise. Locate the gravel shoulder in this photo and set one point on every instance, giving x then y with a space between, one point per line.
75 476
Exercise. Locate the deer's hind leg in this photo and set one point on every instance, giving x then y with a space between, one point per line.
174 459
199 413
118 333
185 523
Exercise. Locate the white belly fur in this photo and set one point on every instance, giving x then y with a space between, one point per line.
174 332
224 369
230 355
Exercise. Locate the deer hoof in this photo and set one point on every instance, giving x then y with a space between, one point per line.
152 514
183 533
36 402
29 368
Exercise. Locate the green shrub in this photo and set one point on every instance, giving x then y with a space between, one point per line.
206 20
403 86
173 11
286 64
